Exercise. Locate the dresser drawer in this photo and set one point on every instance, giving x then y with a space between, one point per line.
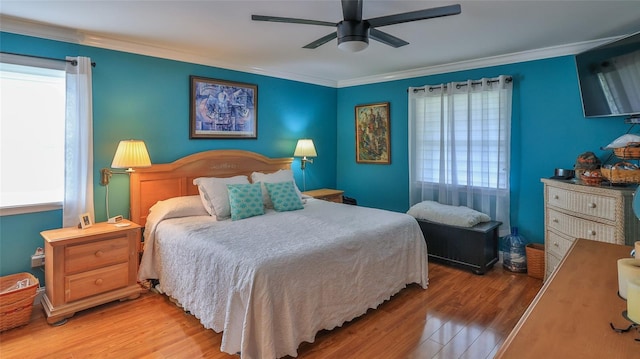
583 203
552 263
97 281
87 256
558 244
575 227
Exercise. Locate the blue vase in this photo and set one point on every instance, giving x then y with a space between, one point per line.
515 258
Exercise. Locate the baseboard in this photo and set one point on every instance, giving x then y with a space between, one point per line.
39 294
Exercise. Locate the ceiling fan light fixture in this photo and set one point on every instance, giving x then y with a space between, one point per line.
353 36
353 45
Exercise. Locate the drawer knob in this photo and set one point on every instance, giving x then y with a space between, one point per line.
555 220
591 205
98 281
556 244
555 196
98 254
592 232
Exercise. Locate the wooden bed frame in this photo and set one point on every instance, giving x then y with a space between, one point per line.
162 181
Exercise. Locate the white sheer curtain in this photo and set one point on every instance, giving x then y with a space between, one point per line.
78 189
459 145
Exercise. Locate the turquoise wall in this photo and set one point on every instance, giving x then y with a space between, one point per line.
548 131
147 98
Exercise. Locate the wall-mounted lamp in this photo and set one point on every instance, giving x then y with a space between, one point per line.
129 154
304 149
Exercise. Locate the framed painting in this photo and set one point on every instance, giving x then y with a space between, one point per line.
222 109
372 133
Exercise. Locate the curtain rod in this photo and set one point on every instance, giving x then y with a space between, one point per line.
72 62
431 88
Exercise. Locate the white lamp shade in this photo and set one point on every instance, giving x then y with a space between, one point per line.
305 148
131 153
353 45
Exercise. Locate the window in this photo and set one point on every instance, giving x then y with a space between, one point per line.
466 151
459 145
32 125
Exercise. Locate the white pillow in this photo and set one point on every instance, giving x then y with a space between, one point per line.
214 193
441 213
276 177
180 207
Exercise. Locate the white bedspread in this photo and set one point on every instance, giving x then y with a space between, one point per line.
273 281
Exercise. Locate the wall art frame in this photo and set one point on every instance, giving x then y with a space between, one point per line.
373 143
85 220
222 109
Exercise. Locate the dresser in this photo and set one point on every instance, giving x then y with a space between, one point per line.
331 195
570 316
88 267
598 213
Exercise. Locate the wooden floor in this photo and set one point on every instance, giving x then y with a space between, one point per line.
460 315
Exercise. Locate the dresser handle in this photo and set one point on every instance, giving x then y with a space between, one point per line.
555 220
98 254
556 244
98 281
592 232
591 205
555 196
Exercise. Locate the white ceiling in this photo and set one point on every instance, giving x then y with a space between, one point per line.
221 33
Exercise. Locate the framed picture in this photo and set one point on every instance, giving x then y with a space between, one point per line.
222 109
372 133
85 221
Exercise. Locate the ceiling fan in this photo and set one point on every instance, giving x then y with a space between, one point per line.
353 32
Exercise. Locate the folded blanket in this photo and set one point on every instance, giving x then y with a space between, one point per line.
451 215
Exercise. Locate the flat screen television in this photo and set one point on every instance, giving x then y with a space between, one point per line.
609 77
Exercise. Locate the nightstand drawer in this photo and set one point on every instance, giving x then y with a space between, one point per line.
94 255
97 281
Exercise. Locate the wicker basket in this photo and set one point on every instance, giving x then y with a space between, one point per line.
535 260
591 180
630 152
16 303
616 174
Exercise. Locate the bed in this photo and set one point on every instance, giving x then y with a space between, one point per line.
269 282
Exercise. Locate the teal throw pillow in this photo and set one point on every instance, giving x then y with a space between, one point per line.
245 200
284 196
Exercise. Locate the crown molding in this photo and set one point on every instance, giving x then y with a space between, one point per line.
530 55
46 31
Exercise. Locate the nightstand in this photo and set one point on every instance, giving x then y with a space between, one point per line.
88 267
331 195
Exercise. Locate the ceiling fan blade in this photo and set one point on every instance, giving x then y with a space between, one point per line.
352 10
321 41
415 15
385 38
291 20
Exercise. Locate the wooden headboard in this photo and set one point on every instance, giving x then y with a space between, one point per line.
162 181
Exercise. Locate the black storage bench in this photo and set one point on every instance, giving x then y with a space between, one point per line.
474 248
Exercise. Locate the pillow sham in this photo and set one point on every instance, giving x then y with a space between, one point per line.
283 196
452 215
180 207
214 194
245 200
278 176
